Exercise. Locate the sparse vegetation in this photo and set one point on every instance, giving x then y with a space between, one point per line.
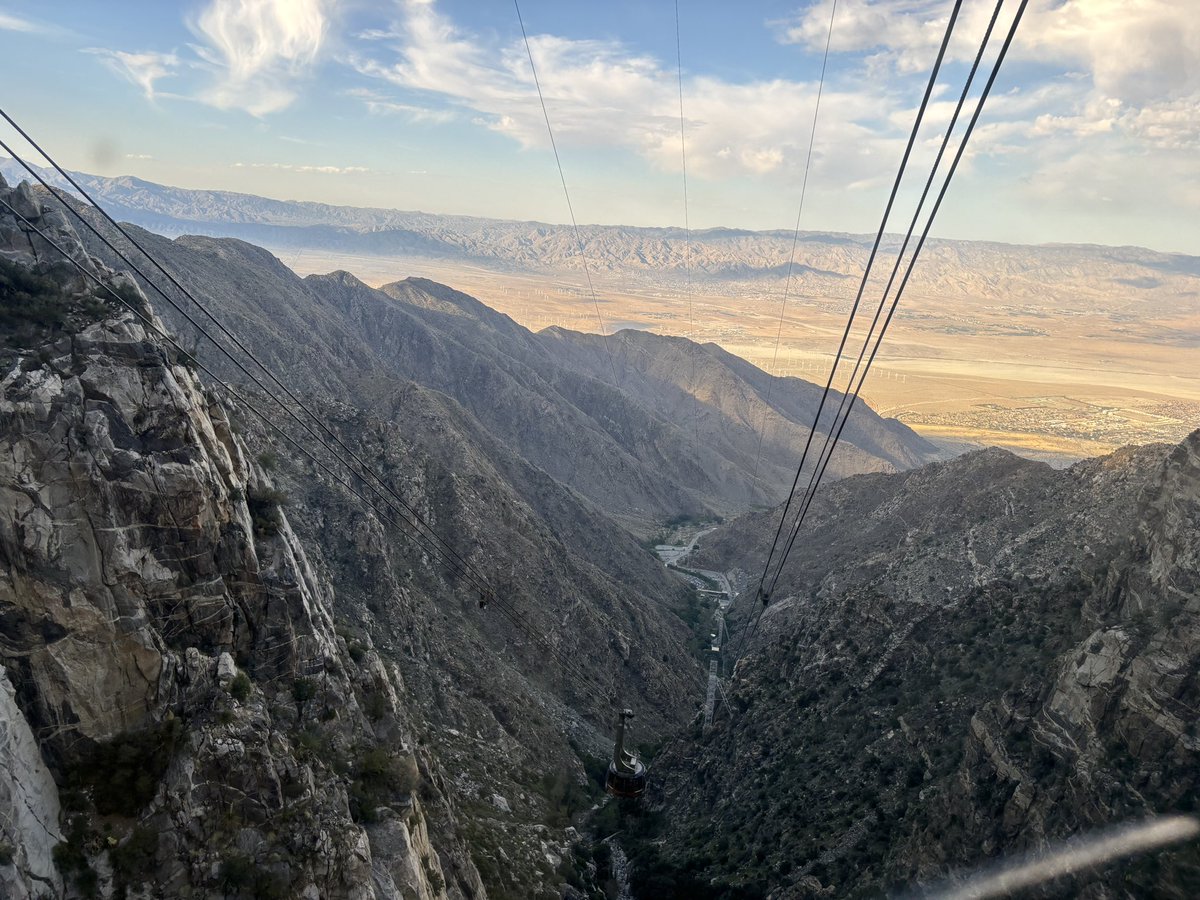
850 773
303 690
653 872
436 883
34 305
708 582
240 687
135 855
188 352
71 857
375 705
565 798
240 876
311 745
678 521
266 509
379 776
122 774
697 612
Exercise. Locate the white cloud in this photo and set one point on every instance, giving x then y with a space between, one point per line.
1122 63
599 93
379 104
1099 184
1174 125
9 22
259 49
376 34
254 52
306 170
144 68
1124 44
138 156
903 29
1118 101
1096 95
1093 89
1138 51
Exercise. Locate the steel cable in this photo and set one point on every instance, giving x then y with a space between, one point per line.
587 272
861 288
834 437
200 328
761 595
787 285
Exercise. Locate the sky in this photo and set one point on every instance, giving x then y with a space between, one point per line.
1091 135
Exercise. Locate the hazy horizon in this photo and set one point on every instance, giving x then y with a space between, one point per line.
1089 136
934 237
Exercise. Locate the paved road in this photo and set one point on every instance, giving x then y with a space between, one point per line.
676 556
670 553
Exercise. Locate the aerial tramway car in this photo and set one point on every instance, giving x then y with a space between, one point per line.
626 773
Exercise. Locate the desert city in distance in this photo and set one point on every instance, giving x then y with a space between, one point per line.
962 363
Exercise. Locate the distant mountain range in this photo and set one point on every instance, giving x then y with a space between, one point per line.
210 632
1069 275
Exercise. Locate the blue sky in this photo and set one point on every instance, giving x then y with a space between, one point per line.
1092 134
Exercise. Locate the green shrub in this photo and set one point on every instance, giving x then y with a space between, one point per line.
310 744
432 875
236 872
266 509
32 304
240 876
564 798
123 773
135 855
378 777
304 689
375 706
70 857
7 852
29 299
240 687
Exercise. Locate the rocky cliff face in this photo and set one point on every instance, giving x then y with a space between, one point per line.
999 655
236 679
177 708
509 724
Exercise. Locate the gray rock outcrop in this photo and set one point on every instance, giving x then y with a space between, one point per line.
177 709
961 664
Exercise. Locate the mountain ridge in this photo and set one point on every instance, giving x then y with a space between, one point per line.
963 659
222 674
189 206
638 461
961 662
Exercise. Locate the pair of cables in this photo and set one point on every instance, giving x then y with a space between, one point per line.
383 500
877 330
